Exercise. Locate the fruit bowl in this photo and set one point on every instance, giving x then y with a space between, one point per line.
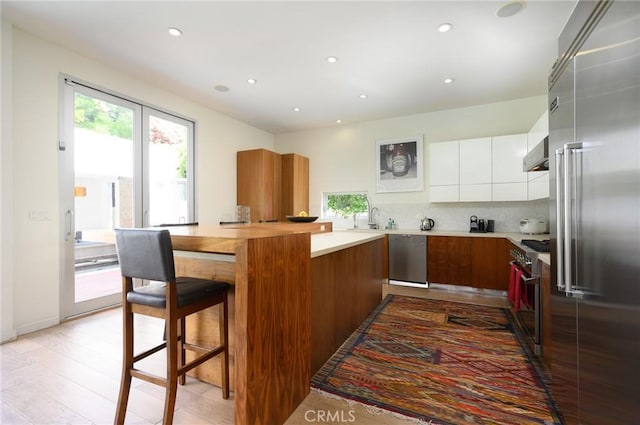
301 219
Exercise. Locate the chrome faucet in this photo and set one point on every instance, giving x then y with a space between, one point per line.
373 223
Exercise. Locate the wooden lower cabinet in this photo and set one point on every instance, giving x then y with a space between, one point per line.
449 260
479 262
346 286
545 299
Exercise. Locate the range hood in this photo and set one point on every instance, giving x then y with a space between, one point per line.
538 158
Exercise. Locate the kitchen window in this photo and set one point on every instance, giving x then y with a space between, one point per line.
346 209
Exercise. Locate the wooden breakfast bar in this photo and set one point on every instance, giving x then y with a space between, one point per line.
278 336
271 334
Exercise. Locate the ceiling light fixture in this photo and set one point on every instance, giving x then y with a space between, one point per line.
448 80
363 96
445 27
509 9
176 32
332 59
339 121
296 109
252 81
222 88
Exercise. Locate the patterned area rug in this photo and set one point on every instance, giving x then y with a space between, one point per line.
440 362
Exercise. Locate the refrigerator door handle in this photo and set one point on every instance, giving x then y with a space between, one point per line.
560 178
568 174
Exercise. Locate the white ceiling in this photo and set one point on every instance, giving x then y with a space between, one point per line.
390 51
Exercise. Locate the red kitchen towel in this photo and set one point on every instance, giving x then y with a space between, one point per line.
517 290
512 283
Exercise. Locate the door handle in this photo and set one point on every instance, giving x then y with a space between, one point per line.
560 220
533 280
68 224
569 173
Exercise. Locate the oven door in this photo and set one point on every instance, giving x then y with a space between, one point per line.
525 299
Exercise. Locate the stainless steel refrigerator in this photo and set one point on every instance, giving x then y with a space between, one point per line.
594 150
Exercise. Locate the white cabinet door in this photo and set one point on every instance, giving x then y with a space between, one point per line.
475 192
449 193
538 132
475 161
510 191
538 180
539 187
508 152
444 164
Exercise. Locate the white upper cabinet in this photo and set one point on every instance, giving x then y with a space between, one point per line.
475 161
485 169
444 172
444 163
538 180
508 152
475 170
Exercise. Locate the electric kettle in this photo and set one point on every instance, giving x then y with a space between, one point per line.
427 223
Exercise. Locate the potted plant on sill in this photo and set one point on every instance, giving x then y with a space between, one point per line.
348 204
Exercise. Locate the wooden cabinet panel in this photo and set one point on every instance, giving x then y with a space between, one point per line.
449 260
545 299
258 182
272 185
490 263
346 286
468 261
295 185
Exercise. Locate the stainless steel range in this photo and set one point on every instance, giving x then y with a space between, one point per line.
525 295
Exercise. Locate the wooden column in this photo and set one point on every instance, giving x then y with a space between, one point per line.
272 328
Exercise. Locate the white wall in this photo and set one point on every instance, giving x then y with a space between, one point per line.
6 188
342 158
34 258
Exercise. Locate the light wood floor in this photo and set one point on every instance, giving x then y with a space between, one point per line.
70 374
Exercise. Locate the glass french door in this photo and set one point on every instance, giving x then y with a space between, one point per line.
122 164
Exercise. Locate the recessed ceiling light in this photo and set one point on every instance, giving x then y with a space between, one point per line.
448 80
252 81
176 32
296 109
339 121
221 88
363 96
332 59
445 27
510 9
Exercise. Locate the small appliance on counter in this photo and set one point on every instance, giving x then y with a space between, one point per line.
473 224
427 223
481 225
532 226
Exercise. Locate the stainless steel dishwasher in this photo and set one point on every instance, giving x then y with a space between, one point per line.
408 260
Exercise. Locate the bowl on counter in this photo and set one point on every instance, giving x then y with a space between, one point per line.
301 219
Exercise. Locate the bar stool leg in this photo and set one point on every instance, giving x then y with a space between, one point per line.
172 371
127 363
181 350
224 340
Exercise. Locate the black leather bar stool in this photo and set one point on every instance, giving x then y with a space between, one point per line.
148 254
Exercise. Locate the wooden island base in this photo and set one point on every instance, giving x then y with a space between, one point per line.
287 316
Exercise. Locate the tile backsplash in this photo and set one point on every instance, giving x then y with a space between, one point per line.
455 216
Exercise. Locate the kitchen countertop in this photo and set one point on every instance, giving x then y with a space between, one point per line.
325 243
514 237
